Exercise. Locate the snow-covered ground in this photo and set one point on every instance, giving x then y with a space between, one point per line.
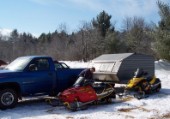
156 106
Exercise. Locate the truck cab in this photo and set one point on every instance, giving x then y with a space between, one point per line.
34 75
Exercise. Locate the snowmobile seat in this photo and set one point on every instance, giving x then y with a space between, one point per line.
98 85
149 78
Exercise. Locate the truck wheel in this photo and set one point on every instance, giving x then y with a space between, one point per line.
8 98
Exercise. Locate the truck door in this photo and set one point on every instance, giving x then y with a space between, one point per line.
66 76
39 77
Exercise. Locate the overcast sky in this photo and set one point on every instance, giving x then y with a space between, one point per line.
38 16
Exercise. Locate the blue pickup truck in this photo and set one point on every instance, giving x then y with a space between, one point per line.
34 76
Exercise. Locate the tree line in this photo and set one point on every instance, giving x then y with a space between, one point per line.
94 38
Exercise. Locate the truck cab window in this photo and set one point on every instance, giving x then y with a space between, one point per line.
39 65
64 65
60 65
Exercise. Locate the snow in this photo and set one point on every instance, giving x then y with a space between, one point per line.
156 106
78 64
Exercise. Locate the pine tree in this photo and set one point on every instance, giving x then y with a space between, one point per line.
102 22
162 32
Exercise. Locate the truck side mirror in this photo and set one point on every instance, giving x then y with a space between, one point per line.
32 67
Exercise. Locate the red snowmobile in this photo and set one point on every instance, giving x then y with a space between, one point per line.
85 92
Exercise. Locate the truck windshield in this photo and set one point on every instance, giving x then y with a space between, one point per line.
18 64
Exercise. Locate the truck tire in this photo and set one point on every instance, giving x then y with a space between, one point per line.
8 98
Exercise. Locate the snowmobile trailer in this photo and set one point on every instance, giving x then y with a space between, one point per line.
119 68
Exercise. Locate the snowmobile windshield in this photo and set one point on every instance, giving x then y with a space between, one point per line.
139 73
79 81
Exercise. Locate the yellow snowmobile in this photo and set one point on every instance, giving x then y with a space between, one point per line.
142 85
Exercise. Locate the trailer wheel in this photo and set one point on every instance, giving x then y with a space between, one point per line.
8 98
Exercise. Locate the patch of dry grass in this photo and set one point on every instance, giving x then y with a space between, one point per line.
126 109
69 117
166 116
133 108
